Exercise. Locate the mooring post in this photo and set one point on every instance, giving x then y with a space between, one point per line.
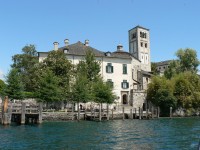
112 114
9 114
158 112
135 113
72 111
23 111
99 112
170 112
2 113
131 113
107 111
142 115
78 117
40 113
123 112
5 114
152 112
85 114
139 113
147 113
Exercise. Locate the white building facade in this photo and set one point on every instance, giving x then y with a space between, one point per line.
129 72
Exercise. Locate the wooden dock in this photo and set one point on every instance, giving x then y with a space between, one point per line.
20 113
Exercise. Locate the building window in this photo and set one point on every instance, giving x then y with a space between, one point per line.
141 34
124 68
145 45
110 83
125 84
133 35
132 73
141 44
109 68
145 35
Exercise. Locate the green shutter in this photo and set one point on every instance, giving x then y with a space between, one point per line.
106 69
122 85
127 85
112 69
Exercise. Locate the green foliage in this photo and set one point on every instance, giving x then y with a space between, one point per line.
57 62
154 68
188 60
165 100
92 66
15 87
181 91
103 92
80 89
48 89
25 63
2 89
172 70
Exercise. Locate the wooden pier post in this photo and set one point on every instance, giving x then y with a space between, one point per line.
123 112
99 112
135 113
107 111
147 113
131 113
158 112
72 111
139 113
152 112
23 111
170 115
40 113
142 115
78 116
85 114
112 115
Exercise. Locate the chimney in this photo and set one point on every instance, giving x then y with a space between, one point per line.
119 47
55 46
66 41
86 42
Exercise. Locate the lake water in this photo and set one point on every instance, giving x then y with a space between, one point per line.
164 134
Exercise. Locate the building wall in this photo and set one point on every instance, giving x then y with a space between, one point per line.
139 46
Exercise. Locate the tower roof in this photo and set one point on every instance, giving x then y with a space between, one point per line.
138 26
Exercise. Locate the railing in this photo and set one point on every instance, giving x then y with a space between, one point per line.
29 109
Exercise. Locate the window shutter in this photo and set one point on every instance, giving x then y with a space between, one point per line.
127 85
112 84
122 85
112 69
106 69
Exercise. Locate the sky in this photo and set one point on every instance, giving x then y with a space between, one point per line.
173 24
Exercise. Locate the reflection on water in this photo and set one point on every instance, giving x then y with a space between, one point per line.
165 134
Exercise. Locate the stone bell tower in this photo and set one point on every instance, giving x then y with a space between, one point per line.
139 46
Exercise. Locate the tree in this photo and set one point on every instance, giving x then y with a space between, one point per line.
25 63
92 66
154 68
160 93
188 60
165 99
48 89
173 69
15 86
103 92
57 62
2 89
